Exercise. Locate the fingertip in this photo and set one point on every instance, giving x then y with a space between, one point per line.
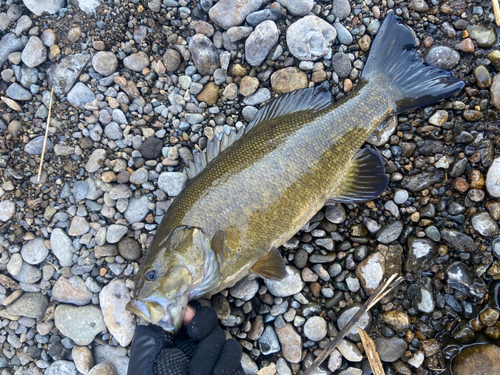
188 315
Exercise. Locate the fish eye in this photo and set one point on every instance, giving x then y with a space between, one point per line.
150 275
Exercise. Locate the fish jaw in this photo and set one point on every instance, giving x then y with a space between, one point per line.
160 311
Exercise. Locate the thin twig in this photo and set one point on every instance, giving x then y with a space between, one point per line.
371 353
496 11
379 293
46 135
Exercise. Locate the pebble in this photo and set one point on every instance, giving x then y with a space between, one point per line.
245 289
115 233
457 240
62 75
136 61
7 210
34 251
401 196
105 63
290 285
310 38
262 95
34 53
29 305
260 42
172 182
484 224
151 148
79 226
291 343
172 60
442 57
420 252
493 175
298 7
117 356
397 320
229 13
83 358
341 64
315 328
35 146
80 95
29 274
80 324
255 18
268 342
204 54
370 272
477 359
343 35
72 290
484 36
8 44
288 79
390 232
61 367
95 160
15 264
390 349
129 249
349 351
335 213
341 8
17 92
62 247
121 324
365 322
334 360
464 279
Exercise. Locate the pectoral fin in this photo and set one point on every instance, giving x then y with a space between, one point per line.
218 242
366 179
271 266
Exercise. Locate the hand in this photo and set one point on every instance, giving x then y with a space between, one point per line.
199 349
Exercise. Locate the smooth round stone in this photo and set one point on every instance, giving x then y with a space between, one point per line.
7 210
298 7
229 13
105 63
349 351
245 289
310 38
80 95
291 343
80 324
463 278
72 290
390 232
103 369
442 57
401 196
136 61
268 342
17 92
204 54
315 328
290 285
397 320
62 247
30 305
335 213
484 224
83 358
34 251
341 64
113 131
61 367
364 322
260 42
482 76
390 349
341 8
115 233
172 60
35 53
288 79
493 177
172 182
343 35
463 333
151 148
129 249
15 264
485 36
483 359
139 177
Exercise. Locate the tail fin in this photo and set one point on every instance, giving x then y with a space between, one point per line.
393 55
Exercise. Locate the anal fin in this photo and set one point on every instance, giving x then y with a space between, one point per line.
366 179
271 266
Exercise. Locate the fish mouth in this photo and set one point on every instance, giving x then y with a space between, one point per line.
167 315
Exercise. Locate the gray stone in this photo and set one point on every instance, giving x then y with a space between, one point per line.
95 160
341 64
17 92
117 356
34 53
310 38
172 182
35 146
129 249
485 36
29 274
61 367
290 285
245 289
113 131
115 233
370 272
390 232
229 13
8 44
103 369
260 42
238 32
34 251
493 179
484 224
80 324
298 7
79 226
263 15
23 24
30 305
341 9
136 61
343 35
105 63
380 136
139 177
315 328
349 351
442 57
7 210
40 7
263 94
420 252
364 322
464 279
457 240
204 54
268 342
390 349
61 76
80 95
62 247
137 209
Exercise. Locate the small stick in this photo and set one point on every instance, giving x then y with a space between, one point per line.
46 135
371 353
379 293
496 11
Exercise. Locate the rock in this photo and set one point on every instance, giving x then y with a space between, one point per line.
17 92
117 356
341 9
61 367
62 247
268 342
370 272
297 7
288 79
484 224
151 148
80 324
35 53
7 210
334 360
30 305
493 175
28 274
105 63
457 240
479 359
72 290
245 289
62 75
172 60
103 369
231 91
341 64
397 320
83 358
15 264
421 251
390 349
115 233
365 322
263 15
95 160
8 44
129 249
80 95
229 13
315 328
209 94
40 7
221 306
79 226
495 99
204 54
482 76
290 285
343 35
442 57
262 95
291 343
137 209
420 181
34 251
172 182
310 38
136 61
390 232
35 146
485 36
121 324
464 279
260 42
349 351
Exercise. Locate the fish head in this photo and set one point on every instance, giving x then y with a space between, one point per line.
182 266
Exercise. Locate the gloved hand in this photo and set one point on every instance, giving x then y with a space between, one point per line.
200 348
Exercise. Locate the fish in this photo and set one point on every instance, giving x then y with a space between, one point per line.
253 190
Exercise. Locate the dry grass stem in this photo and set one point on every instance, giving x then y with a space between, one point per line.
371 353
46 135
384 288
496 11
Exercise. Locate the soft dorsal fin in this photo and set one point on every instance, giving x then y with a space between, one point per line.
366 178
218 242
271 266
313 98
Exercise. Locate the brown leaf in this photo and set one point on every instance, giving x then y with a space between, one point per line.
12 104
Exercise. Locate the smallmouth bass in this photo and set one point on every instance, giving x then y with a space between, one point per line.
251 193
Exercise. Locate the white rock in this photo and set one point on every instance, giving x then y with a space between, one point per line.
493 179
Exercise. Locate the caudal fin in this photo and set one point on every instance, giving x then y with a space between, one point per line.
415 84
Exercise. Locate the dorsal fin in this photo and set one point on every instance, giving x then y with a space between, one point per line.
366 179
313 98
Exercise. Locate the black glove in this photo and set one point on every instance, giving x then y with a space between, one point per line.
199 349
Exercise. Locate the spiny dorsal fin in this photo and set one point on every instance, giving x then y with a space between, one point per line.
313 98
218 242
271 266
366 178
